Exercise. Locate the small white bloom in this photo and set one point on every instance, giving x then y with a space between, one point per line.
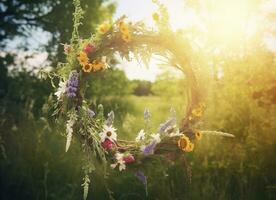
69 131
113 166
156 137
140 136
176 133
61 89
108 133
119 157
122 166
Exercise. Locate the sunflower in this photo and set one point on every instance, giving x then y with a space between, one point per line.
83 59
190 147
103 28
198 135
183 143
87 68
98 65
126 37
123 28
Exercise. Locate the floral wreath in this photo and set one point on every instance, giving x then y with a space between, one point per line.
97 134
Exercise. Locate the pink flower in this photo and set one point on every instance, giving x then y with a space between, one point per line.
67 48
107 144
89 48
129 159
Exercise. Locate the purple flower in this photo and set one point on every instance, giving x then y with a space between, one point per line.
110 118
163 127
147 114
72 85
141 176
90 113
149 149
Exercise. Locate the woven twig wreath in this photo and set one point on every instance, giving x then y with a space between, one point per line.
97 134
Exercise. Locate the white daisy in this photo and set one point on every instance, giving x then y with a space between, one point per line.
108 133
175 133
120 162
61 89
156 137
140 136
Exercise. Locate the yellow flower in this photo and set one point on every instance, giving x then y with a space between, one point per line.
126 37
198 135
103 28
190 147
197 112
155 17
183 143
98 65
83 59
123 28
87 68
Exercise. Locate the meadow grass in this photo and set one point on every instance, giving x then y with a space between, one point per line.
159 108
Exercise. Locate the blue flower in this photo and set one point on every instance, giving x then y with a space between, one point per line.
147 115
90 113
141 176
149 149
169 123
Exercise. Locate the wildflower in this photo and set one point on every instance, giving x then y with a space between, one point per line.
197 112
198 135
155 17
149 149
141 177
156 137
90 113
72 85
110 118
123 28
184 143
126 37
61 89
66 48
69 130
147 115
107 144
190 147
89 48
103 28
87 68
129 159
83 59
175 133
98 65
165 126
120 162
140 136
108 133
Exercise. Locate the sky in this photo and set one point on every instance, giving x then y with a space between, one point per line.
180 17
136 10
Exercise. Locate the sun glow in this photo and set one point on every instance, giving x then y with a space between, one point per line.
213 25
229 23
